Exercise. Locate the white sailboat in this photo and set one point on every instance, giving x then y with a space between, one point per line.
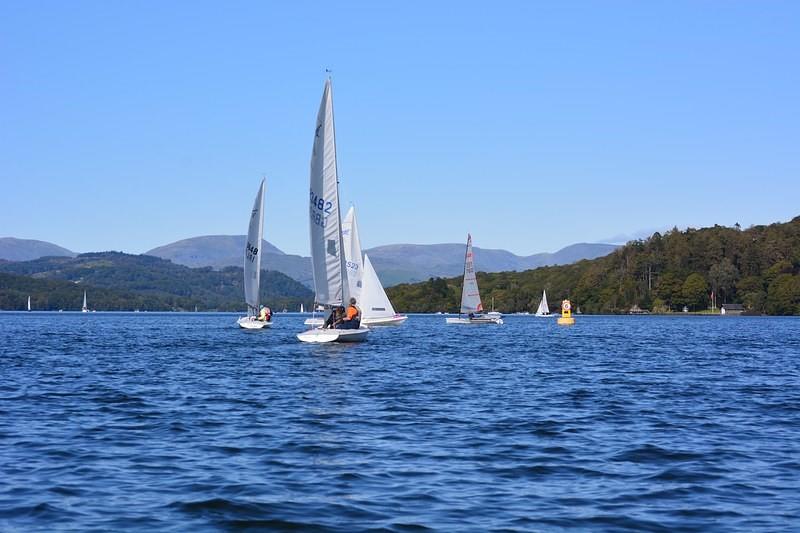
543 310
365 286
252 265
331 286
85 308
29 303
301 309
375 305
470 296
493 313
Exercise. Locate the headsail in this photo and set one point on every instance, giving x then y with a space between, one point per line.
328 265
470 297
252 253
543 309
374 303
352 254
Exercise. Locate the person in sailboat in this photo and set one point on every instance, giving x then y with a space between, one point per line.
266 314
352 318
335 318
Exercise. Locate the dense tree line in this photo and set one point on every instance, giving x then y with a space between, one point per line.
122 282
758 267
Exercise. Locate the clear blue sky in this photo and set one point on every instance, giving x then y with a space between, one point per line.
127 125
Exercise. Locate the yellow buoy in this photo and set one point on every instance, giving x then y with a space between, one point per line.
566 314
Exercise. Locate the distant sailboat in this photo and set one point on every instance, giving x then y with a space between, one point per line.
470 296
85 308
331 287
365 286
301 309
252 265
543 310
29 303
493 313
375 304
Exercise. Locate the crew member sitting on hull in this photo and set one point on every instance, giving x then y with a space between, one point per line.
335 318
352 319
266 314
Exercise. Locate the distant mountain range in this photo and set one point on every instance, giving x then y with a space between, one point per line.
395 263
12 249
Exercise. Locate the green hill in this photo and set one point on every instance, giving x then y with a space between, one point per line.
117 281
758 267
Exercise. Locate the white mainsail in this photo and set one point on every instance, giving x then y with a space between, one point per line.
543 309
85 307
252 254
29 303
301 309
352 254
374 303
328 264
470 297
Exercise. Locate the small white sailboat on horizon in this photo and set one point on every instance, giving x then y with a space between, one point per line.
252 265
470 295
29 304
365 286
331 287
543 311
84 308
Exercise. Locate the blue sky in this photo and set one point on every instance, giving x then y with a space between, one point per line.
532 125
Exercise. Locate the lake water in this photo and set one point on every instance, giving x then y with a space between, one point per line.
182 421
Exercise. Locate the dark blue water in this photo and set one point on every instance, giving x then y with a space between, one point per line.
183 421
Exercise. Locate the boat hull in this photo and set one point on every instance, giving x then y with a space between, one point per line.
478 321
385 321
249 322
319 335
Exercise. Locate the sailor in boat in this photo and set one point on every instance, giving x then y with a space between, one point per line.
352 318
265 315
335 318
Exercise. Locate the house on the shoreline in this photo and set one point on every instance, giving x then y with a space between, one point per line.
731 309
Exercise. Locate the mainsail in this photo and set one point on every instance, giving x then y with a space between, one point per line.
330 277
252 254
470 297
352 255
374 302
85 307
543 309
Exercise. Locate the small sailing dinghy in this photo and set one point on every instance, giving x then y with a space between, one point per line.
365 286
29 303
252 265
331 287
470 296
85 308
543 310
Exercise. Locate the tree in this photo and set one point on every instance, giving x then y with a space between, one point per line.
695 291
722 276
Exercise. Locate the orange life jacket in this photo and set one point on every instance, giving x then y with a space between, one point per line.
352 312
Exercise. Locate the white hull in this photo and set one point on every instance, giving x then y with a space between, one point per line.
474 321
314 321
319 335
249 322
385 321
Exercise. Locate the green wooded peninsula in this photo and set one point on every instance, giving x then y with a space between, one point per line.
116 281
758 267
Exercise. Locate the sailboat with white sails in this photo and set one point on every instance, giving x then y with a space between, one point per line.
29 303
365 286
543 311
85 308
331 286
252 264
470 296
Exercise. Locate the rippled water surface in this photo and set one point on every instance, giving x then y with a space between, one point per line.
183 421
